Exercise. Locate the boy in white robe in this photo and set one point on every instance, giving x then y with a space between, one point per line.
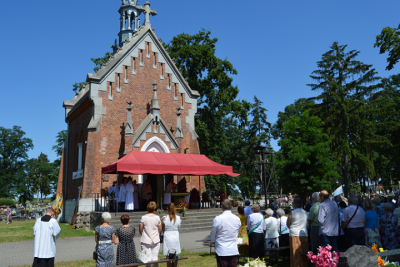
129 195
46 231
136 195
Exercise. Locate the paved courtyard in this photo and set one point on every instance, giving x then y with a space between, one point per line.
81 248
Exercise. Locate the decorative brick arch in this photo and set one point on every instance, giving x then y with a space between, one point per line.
155 144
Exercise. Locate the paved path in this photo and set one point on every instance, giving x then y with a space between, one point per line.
81 248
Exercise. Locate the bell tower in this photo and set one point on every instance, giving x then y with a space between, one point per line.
129 17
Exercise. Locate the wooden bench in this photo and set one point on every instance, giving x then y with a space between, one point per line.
153 262
212 244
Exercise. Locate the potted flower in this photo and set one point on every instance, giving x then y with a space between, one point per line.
325 257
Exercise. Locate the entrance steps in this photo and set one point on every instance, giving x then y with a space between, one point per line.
193 222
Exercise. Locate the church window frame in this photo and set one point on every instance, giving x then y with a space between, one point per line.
133 65
141 58
110 94
175 92
148 49
126 74
155 61
162 71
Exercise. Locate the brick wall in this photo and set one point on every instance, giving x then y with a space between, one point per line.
108 143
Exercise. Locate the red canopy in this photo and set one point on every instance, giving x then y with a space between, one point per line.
138 162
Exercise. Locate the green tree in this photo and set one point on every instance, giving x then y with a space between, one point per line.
40 175
305 163
295 109
14 147
212 77
345 85
58 148
389 41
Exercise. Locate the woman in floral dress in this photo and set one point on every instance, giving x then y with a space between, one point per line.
388 224
103 238
243 231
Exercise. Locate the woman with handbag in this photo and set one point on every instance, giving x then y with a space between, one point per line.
255 225
271 232
283 232
149 229
104 253
126 252
170 227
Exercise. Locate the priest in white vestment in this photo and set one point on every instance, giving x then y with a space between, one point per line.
45 231
171 188
129 206
136 195
122 194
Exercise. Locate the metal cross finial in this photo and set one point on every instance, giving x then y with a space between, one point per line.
129 103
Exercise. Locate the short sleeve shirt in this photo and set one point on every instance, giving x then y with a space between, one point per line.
313 215
150 229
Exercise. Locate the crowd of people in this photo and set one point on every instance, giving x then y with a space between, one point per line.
150 227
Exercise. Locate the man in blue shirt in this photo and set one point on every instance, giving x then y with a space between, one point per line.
247 209
328 217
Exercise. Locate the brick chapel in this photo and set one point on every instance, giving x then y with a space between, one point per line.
138 100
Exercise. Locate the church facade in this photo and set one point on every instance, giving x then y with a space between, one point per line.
138 100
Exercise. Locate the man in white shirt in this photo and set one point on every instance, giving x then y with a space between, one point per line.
224 231
46 230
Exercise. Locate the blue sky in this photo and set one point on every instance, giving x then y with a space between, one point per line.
274 45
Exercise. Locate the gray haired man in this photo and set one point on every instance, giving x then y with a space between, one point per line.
224 232
313 222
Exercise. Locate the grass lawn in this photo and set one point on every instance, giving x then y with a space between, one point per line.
23 231
194 259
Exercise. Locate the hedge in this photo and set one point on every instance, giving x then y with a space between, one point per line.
7 201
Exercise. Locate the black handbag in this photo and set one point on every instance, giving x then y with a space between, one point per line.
161 238
95 254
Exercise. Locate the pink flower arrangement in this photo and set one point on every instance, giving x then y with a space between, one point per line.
325 257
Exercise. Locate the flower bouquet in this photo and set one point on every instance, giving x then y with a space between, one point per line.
325 257
255 263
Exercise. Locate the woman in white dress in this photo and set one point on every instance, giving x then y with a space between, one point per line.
271 231
170 226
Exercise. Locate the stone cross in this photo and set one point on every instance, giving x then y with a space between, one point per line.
148 12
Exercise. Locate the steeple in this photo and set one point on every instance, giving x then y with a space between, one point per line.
129 124
130 12
155 108
178 132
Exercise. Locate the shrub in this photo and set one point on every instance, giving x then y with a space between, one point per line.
7 201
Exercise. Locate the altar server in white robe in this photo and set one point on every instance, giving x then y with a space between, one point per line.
45 231
122 194
136 195
129 195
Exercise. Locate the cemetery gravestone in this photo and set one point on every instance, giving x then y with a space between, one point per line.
358 256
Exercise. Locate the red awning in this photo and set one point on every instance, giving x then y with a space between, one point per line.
138 162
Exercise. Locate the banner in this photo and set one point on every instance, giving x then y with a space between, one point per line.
338 191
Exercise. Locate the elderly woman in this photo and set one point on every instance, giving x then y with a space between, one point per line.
243 231
126 252
283 231
271 230
378 207
388 224
255 225
104 236
397 213
371 230
149 229
298 240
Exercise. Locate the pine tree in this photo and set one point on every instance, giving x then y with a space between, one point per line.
345 85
